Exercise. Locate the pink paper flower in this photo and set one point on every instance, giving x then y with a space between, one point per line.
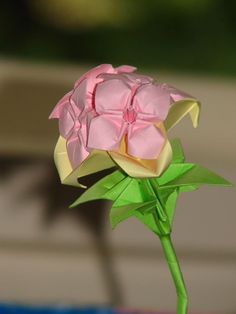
130 106
76 109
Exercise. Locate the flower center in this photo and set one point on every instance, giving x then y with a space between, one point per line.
130 115
77 125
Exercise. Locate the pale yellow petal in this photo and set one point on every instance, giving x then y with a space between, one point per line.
180 109
96 161
144 168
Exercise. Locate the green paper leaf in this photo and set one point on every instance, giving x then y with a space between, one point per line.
185 174
151 200
135 192
188 188
119 214
173 172
148 221
177 149
107 188
160 218
170 196
155 225
170 205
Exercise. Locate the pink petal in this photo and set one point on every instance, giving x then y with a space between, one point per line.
138 79
76 151
66 121
60 105
144 140
106 132
93 73
125 69
111 96
112 76
84 125
79 98
175 93
131 79
152 100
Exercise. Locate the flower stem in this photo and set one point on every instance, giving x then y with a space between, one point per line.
182 302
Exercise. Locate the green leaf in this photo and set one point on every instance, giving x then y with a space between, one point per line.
170 205
148 221
151 200
177 149
178 175
188 188
155 225
118 214
158 212
107 188
173 172
135 192
170 196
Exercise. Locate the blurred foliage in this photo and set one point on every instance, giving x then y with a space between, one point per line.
186 35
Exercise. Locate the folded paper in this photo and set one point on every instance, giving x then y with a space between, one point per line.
122 115
141 196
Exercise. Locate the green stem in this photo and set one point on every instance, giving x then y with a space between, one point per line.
161 221
182 302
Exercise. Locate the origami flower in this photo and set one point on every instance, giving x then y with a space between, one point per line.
114 116
75 110
131 106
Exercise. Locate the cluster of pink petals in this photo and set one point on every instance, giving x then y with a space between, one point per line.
108 104
76 109
129 105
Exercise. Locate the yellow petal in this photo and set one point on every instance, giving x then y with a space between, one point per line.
96 161
180 109
144 168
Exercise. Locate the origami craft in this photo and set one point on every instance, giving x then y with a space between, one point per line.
117 118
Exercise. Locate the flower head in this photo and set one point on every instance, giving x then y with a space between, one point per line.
114 116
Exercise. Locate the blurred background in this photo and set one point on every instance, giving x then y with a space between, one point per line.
50 254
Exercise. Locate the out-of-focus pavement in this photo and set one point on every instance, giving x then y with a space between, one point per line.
59 264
